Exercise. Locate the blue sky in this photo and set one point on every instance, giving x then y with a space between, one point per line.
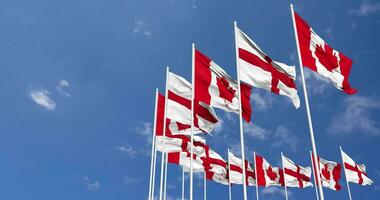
78 78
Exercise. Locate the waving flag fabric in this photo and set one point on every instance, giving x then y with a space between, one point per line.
204 159
295 175
267 175
179 110
330 174
236 171
318 56
215 87
259 70
355 173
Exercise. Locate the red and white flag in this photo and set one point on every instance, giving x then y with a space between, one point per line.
204 160
355 173
267 175
236 171
179 105
215 87
330 174
318 56
259 70
295 175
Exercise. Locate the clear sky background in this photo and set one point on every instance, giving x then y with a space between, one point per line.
77 86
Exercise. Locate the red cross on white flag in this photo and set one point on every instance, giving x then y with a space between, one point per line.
355 173
295 175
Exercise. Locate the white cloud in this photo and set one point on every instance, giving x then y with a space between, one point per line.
145 129
194 4
142 28
328 32
41 97
218 127
274 191
127 149
129 180
62 84
315 83
366 8
91 185
262 100
256 131
356 116
283 137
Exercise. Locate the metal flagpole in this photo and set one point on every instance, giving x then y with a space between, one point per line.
240 115
229 176
192 120
257 183
344 167
204 184
164 134
154 168
307 104
183 183
166 174
283 171
315 180
153 148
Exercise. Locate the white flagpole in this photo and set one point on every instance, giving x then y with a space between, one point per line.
257 184
307 104
166 174
192 119
229 176
183 183
154 168
344 167
152 160
240 115
164 134
283 171
204 186
315 180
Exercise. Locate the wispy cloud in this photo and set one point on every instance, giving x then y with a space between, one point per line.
142 28
127 149
194 4
130 180
366 8
256 131
316 84
145 129
275 191
262 100
42 98
355 115
91 185
283 137
62 85
328 32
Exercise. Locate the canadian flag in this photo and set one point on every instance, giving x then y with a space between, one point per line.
295 175
215 87
355 173
318 56
236 171
183 159
259 70
330 173
267 175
